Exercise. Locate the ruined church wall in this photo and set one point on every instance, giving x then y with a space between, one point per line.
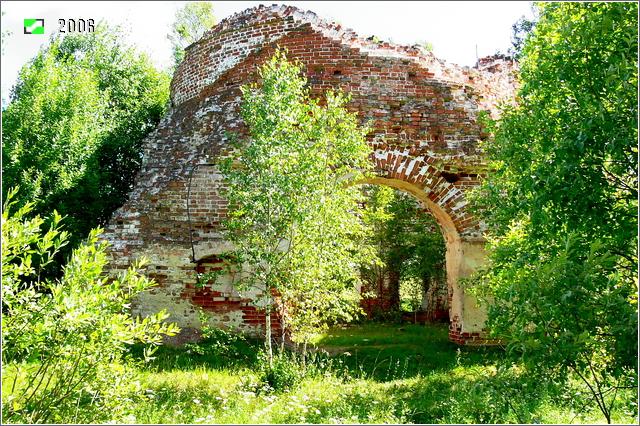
424 131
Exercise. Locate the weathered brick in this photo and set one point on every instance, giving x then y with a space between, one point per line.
423 116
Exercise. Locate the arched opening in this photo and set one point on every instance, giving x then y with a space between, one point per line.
453 245
407 281
463 255
447 226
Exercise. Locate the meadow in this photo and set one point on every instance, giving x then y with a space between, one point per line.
369 373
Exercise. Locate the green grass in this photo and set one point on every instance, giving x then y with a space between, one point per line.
369 373
383 352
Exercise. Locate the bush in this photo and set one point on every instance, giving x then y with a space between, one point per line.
284 373
221 347
64 341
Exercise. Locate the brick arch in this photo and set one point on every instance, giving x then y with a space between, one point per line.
445 222
422 114
442 191
461 305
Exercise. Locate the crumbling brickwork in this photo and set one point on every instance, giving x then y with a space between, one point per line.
423 115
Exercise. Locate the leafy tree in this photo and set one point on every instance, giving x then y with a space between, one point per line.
191 22
73 131
418 246
51 127
377 216
291 203
64 341
412 295
519 33
562 202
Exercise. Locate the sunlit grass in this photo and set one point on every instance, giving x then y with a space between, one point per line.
375 374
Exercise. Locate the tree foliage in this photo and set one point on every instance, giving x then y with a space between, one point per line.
73 131
292 203
519 33
191 22
64 341
562 201
408 242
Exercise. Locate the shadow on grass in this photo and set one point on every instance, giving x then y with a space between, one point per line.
409 373
385 352
222 350
380 352
475 396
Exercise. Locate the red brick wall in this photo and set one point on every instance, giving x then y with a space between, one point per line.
424 130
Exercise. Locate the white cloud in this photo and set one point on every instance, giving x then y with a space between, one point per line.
454 28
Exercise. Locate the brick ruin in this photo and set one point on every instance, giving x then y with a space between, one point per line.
425 133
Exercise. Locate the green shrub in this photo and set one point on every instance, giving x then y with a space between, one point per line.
64 341
284 373
221 347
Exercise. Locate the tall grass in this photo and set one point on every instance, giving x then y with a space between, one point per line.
363 374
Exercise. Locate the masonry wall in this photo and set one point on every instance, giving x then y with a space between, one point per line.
424 131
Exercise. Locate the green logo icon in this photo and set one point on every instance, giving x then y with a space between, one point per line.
34 26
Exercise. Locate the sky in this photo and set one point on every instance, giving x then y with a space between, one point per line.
455 29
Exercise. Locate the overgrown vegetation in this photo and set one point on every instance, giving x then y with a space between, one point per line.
359 374
562 204
63 341
292 202
409 245
72 132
